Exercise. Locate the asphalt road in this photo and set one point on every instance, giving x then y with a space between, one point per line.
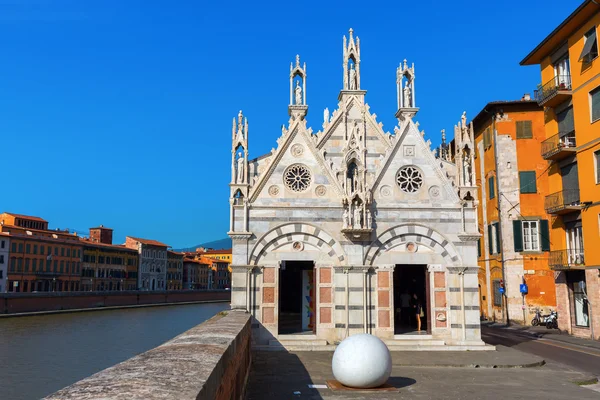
579 357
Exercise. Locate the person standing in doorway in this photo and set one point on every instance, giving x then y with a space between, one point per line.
418 310
405 308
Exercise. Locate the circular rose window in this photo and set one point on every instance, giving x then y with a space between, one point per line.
409 179
297 178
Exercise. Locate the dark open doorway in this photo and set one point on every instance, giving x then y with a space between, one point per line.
296 297
411 280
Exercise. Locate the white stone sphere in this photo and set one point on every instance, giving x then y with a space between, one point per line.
362 361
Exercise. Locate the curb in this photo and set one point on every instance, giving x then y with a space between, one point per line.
543 335
482 366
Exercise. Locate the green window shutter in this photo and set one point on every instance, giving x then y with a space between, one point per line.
490 245
524 130
528 182
497 238
545 235
518 235
595 100
491 187
478 247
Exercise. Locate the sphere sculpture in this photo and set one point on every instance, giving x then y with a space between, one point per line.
362 361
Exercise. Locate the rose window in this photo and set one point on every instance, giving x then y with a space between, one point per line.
297 178
409 179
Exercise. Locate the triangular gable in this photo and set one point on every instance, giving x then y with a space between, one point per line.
298 134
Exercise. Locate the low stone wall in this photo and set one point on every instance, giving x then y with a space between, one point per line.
210 361
12 303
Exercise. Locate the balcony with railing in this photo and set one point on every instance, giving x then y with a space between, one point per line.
563 202
555 91
566 259
559 146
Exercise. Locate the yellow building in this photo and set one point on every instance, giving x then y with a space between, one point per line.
174 270
570 94
221 255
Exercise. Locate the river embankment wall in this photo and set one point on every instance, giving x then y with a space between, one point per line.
50 302
209 361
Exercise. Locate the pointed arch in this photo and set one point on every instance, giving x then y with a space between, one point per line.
417 233
301 232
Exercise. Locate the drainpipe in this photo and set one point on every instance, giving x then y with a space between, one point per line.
365 300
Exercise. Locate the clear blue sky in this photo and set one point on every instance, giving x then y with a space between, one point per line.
118 112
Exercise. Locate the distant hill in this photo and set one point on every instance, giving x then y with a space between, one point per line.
215 244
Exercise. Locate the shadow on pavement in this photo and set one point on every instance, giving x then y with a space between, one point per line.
400 382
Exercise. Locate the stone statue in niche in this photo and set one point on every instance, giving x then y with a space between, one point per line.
357 222
407 96
352 73
240 168
368 219
326 116
463 120
346 218
298 92
467 169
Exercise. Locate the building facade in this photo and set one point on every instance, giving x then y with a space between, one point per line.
332 230
4 259
107 267
174 270
221 274
570 94
152 271
512 177
40 259
197 273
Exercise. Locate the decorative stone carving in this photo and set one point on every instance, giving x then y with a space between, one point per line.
321 191
409 179
297 150
240 169
274 190
356 223
298 94
297 178
386 191
435 192
409 150
411 247
298 246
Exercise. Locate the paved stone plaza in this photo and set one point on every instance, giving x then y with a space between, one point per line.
423 375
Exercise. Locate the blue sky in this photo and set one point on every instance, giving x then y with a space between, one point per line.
118 112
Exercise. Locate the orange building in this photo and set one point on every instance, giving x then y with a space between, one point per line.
512 177
197 272
40 259
221 255
174 270
570 94
107 266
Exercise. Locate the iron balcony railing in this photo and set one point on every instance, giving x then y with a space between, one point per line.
558 142
562 200
553 86
564 259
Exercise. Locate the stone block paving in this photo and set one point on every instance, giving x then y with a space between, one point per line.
423 375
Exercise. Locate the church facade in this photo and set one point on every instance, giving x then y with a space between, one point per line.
352 229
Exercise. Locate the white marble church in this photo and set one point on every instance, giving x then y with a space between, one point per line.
352 229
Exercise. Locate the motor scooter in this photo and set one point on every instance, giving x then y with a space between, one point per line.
539 319
552 320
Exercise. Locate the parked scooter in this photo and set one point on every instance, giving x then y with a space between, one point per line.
539 319
552 320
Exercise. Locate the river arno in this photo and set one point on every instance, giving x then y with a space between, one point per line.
41 354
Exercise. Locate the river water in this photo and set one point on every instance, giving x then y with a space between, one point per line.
42 354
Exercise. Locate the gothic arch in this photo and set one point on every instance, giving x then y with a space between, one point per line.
418 233
297 232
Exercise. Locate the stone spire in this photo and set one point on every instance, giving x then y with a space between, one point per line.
298 108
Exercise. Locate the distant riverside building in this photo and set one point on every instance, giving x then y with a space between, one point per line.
152 273
511 176
221 274
40 259
337 227
197 272
107 267
174 270
4 257
569 92
216 254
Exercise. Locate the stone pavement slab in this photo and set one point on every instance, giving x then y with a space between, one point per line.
278 375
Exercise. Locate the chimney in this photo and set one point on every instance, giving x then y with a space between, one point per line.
526 97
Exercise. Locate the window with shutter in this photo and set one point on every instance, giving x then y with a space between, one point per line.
527 182
595 104
597 165
566 122
490 240
486 139
491 187
497 294
524 130
518 236
545 235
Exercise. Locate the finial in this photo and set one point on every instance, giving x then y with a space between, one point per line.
297 60
405 61
443 136
351 30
